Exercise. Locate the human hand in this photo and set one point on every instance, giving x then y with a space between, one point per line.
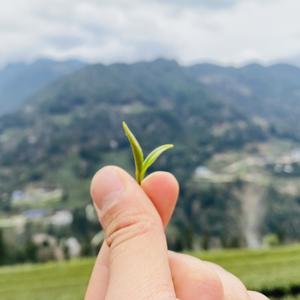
134 263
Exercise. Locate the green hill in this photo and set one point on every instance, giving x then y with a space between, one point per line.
72 127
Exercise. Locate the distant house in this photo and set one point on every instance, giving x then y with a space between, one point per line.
202 171
61 218
35 214
72 247
33 196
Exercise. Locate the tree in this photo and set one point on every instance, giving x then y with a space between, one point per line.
3 250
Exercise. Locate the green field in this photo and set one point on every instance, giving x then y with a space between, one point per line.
273 271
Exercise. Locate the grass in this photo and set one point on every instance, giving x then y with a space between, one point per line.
275 271
60 281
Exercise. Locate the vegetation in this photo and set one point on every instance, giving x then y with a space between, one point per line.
275 272
141 164
269 94
65 281
236 155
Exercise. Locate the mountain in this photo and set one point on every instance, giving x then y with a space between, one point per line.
234 130
20 81
293 60
271 93
76 122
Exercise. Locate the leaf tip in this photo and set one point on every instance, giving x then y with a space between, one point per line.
124 125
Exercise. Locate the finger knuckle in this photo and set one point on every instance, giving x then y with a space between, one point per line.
124 225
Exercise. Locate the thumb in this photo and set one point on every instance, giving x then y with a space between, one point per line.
138 262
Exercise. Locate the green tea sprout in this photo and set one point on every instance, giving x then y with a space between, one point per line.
141 164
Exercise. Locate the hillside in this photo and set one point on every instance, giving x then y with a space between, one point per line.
75 122
237 160
271 93
20 81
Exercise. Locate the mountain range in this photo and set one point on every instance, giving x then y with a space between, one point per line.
65 124
19 81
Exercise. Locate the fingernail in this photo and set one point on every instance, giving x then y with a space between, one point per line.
107 188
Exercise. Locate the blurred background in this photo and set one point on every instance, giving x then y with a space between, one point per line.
218 78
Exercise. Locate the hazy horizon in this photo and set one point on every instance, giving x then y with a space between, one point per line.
293 62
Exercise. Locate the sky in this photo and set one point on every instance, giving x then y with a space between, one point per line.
190 31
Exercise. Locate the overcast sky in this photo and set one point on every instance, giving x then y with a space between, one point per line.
226 31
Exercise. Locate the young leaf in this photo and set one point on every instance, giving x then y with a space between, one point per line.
141 165
137 152
153 156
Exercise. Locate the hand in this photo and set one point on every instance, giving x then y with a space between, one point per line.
134 263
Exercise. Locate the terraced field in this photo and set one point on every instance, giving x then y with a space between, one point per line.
276 272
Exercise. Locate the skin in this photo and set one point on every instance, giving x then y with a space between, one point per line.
134 262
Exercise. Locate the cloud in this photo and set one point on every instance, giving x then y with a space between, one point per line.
214 4
228 31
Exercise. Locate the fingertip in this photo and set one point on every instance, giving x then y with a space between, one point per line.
162 179
106 180
163 189
163 184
